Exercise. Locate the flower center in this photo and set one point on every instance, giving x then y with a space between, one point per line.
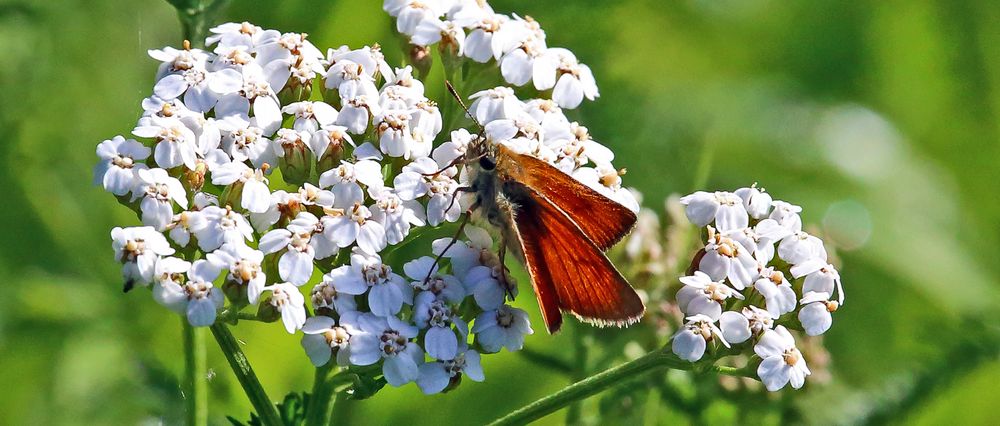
123 162
392 342
245 270
300 241
505 317
337 337
791 356
197 290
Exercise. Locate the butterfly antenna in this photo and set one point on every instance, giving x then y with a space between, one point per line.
454 93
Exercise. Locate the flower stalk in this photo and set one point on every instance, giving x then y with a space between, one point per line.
195 379
653 361
244 373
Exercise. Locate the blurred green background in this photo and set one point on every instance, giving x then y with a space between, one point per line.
881 118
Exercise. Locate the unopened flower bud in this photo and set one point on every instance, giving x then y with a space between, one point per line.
421 59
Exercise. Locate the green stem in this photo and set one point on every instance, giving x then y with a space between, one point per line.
244 373
648 363
196 17
195 377
319 400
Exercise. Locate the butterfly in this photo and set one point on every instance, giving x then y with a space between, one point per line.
559 228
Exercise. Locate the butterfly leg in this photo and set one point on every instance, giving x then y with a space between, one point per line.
454 239
505 279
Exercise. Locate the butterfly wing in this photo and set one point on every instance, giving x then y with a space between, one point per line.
603 220
568 271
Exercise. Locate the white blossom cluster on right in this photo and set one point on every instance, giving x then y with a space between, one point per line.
758 276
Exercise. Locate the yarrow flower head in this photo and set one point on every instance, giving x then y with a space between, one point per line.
758 269
274 182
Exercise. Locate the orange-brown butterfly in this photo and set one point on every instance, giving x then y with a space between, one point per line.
559 228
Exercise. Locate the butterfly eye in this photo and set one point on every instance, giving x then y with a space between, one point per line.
487 163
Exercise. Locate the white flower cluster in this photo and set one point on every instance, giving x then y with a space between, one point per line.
740 290
471 29
250 185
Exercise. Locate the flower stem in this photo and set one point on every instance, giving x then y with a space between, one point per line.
195 375
319 400
244 373
196 17
650 362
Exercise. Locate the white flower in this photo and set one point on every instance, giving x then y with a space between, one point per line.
158 192
756 201
816 311
138 249
782 362
194 81
388 339
441 341
245 142
331 138
244 266
428 279
446 153
344 181
387 291
395 214
436 376
281 202
726 258
301 243
197 298
724 208
703 296
311 116
409 14
184 224
504 327
737 327
787 215
606 180
519 64
325 295
495 104
761 238
572 80
779 298
371 60
485 40
116 170
255 93
355 224
223 226
310 195
240 34
801 247
691 340
322 337
432 31
355 113
177 60
351 80
464 255
285 297
290 50
175 142
421 178
393 130
821 277
256 196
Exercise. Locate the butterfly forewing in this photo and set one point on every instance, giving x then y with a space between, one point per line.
603 220
567 269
